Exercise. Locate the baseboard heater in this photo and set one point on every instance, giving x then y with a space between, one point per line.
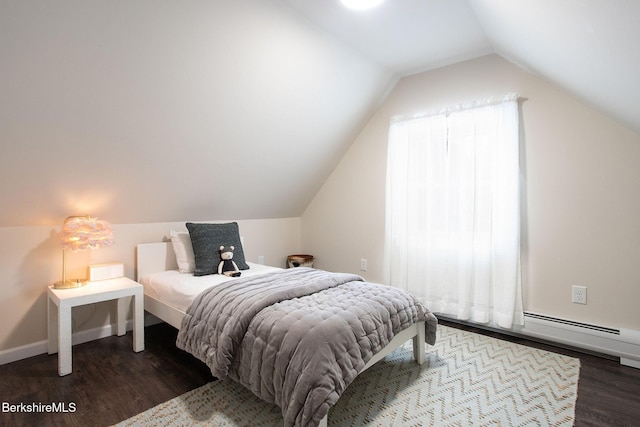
620 343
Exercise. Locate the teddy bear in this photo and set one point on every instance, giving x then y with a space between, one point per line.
227 266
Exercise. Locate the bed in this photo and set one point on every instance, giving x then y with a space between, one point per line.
167 299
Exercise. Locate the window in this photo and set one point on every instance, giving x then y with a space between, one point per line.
453 211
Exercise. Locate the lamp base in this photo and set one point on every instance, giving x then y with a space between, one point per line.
70 284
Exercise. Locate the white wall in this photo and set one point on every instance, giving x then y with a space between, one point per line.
150 112
581 177
31 260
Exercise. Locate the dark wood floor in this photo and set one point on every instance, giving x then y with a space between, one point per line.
111 383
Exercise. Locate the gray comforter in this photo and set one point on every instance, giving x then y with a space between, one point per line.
297 338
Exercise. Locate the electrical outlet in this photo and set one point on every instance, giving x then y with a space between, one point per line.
579 294
261 259
363 264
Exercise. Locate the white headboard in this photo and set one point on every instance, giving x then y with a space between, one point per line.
154 258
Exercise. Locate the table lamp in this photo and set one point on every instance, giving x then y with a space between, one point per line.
80 233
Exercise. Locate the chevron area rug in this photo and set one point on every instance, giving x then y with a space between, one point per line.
467 380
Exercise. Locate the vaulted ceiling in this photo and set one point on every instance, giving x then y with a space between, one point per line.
588 47
155 110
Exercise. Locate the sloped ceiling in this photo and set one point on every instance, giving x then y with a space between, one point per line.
155 110
588 47
405 36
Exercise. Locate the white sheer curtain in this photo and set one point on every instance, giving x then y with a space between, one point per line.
453 211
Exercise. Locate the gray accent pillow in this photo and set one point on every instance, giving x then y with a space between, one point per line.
206 240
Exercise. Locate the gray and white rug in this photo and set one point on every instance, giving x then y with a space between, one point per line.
468 380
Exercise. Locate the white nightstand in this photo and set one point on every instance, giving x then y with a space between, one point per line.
61 301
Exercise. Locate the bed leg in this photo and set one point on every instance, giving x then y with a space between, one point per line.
323 421
418 344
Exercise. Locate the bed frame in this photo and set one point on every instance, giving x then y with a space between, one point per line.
157 257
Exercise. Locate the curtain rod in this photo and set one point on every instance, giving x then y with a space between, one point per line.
513 96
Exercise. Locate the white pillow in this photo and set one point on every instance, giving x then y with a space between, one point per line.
181 242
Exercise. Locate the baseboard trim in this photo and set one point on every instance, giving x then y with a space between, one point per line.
23 352
619 343
42 347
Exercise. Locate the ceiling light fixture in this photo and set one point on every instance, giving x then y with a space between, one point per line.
361 4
